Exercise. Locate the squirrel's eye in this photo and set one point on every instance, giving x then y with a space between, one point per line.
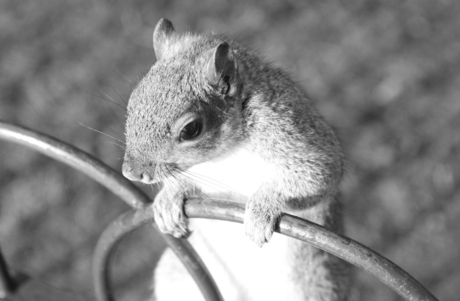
191 130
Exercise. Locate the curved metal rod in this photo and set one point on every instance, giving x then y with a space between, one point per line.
125 224
318 236
311 233
315 235
76 158
113 181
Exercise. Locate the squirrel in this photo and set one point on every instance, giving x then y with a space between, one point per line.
212 118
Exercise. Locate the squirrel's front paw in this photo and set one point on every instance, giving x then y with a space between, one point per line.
259 223
169 215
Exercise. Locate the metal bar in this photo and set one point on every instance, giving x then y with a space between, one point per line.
128 222
346 248
385 270
7 284
315 235
109 178
76 158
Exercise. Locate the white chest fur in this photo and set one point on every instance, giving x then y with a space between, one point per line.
242 270
234 177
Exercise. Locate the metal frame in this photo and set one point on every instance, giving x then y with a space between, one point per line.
313 234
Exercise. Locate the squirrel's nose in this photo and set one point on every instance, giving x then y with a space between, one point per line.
130 173
135 174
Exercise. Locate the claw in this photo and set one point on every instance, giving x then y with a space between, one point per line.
169 216
259 226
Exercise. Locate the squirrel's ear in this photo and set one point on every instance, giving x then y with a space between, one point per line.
162 32
222 70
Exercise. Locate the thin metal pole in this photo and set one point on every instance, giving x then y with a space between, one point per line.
128 222
313 234
76 158
109 178
346 248
370 261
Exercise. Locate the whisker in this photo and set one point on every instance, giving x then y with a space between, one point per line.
109 99
119 96
211 183
181 179
174 175
117 120
202 194
157 175
127 79
114 143
153 190
102 133
224 190
112 101
117 132
166 179
114 153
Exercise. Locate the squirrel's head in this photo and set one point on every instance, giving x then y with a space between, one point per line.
186 110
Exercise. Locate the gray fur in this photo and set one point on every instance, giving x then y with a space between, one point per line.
245 101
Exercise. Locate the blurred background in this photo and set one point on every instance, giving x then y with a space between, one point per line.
385 74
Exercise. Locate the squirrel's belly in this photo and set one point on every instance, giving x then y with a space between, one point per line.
242 270
234 177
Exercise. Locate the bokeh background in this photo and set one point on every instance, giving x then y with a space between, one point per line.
385 74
